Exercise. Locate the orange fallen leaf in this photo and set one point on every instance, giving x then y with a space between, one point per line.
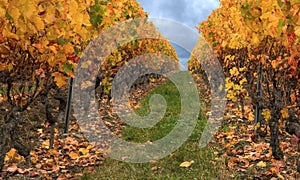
10 154
46 144
274 169
73 155
285 113
71 141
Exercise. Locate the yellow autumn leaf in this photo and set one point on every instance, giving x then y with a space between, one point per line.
38 23
28 8
243 81
234 72
34 157
89 147
53 49
267 114
68 48
242 69
59 79
186 164
73 8
221 87
84 33
285 113
280 176
229 57
237 87
8 34
257 126
86 20
77 19
261 164
49 17
10 154
84 151
50 60
229 85
2 12
46 144
255 39
250 116
14 13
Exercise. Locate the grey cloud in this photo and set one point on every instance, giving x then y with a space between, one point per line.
184 12
189 12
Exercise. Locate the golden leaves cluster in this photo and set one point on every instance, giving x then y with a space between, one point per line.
55 32
254 32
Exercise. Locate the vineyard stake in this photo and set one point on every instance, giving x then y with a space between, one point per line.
67 115
259 94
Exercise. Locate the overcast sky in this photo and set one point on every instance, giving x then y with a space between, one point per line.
187 12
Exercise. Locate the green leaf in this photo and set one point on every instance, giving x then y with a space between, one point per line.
280 3
62 41
68 67
96 20
95 9
281 24
8 16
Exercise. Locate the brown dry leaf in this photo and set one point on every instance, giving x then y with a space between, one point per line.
12 169
47 166
71 141
34 174
22 171
62 177
154 168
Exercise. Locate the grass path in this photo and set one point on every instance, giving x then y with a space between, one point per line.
169 167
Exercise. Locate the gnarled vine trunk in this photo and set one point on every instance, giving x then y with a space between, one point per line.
274 142
9 139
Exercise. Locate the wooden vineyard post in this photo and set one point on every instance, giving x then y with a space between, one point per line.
67 115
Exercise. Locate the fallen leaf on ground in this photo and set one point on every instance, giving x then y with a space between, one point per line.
12 169
261 164
186 164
